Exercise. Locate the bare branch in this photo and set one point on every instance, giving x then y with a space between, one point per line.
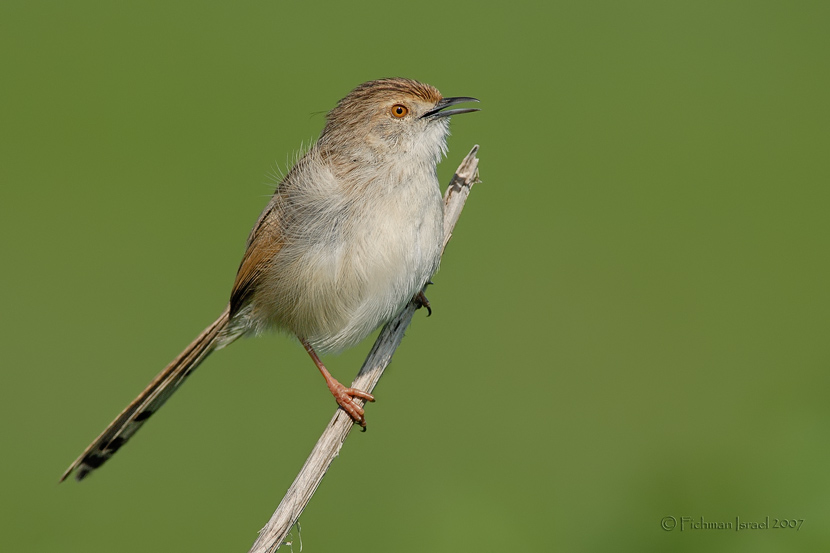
272 536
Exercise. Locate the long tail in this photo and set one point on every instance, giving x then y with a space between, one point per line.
149 401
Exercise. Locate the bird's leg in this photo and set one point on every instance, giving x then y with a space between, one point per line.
344 396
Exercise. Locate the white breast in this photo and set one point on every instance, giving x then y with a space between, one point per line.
357 262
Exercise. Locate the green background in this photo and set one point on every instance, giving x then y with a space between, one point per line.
630 322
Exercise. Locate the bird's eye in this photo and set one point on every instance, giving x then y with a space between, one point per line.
399 111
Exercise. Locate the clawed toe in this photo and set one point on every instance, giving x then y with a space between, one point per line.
345 398
422 301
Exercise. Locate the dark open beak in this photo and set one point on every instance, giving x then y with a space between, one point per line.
447 102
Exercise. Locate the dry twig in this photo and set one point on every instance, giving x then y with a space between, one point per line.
272 536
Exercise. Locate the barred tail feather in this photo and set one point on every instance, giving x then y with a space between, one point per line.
150 400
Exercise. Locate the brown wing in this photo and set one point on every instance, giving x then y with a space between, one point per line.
263 244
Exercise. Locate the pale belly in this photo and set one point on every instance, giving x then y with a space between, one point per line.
336 291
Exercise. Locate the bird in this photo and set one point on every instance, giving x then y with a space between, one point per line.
351 235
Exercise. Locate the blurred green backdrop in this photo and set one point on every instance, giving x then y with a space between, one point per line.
630 322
